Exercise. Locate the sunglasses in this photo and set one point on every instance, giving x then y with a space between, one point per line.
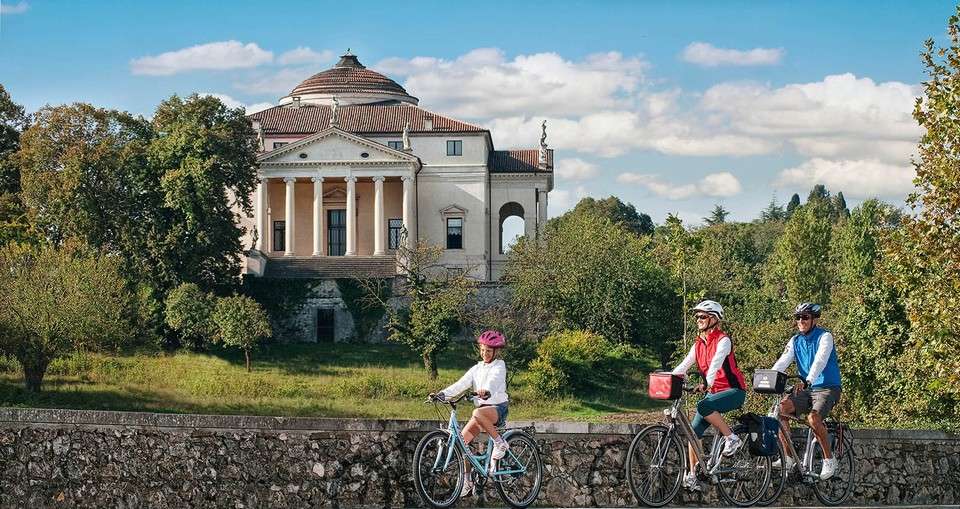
803 318
702 317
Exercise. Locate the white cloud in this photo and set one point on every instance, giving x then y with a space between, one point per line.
305 55
278 83
708 55
856 178
841 117
218 56
18 8
230 102
562 200
488 84
718 185
574 169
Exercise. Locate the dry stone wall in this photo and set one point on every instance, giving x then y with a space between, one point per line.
67 458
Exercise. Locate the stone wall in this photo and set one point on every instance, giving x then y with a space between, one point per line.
67 458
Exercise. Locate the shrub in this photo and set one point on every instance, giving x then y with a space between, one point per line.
576 361
188 312
241 322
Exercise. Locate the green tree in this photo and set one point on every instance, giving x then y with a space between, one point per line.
717 216
242 323
928 252
57 301
800 269
773 212
793 204
13 120
206 160
585 274
435 301
872 328
188 311
624 214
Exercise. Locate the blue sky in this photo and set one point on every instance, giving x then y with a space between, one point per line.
672 106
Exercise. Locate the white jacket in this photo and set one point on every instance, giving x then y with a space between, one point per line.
483 377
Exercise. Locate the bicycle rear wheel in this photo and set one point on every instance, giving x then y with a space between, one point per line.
742 478
522 471
778 478
438 481
836 490
655 465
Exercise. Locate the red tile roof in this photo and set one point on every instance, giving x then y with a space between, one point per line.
357 118
518 161
348 76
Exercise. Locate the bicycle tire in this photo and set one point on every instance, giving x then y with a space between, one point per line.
516 439
843 487
665 443
440 440
742 463
778 478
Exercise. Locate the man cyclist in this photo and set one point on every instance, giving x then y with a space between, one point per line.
712 351
816 355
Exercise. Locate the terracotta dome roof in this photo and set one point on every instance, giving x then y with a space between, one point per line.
348 76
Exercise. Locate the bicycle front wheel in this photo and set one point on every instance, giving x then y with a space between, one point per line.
778 477
520 473
836 490
742 478
655 465
437 480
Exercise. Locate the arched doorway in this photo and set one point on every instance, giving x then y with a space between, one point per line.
511 225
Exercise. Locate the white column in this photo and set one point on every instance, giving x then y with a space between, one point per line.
260 214
378 234
317 215
288 217
351 216
408 210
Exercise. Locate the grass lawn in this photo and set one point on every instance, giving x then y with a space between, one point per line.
321 380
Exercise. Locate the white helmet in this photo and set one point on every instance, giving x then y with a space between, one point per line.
710 306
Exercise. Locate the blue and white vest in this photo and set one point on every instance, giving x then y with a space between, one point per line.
805 350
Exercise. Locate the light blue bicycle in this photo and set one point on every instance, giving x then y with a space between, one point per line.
439 469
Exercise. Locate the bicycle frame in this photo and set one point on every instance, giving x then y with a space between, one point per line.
480 462
805 462
677 417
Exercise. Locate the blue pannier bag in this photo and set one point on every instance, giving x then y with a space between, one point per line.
762 434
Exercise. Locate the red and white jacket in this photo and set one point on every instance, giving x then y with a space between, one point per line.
715 361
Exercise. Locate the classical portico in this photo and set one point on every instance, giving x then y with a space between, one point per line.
334 194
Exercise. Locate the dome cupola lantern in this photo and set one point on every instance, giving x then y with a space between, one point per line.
351 83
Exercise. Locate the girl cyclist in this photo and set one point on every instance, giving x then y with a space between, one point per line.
488 378
713 353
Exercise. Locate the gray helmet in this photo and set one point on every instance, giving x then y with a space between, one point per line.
807 307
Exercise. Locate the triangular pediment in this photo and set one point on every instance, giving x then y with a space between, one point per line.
337 193
453 210
338 146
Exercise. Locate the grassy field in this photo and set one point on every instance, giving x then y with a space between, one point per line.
328 380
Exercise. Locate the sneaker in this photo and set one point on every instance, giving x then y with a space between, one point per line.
789 461
829 468
690 482
467 488
732 445
500 449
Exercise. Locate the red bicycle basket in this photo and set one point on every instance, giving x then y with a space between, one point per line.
665 386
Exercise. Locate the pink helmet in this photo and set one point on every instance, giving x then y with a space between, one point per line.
492 338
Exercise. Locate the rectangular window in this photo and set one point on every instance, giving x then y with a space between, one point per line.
279 235
454 147
394 226
278 144
455 233
395 145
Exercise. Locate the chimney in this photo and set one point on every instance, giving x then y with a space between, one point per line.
428 123
296 101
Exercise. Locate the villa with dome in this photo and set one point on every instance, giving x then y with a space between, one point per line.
348 161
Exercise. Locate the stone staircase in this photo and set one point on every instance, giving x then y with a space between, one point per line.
331 267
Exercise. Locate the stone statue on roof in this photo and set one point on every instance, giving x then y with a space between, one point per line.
333 112
406 136
542 155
